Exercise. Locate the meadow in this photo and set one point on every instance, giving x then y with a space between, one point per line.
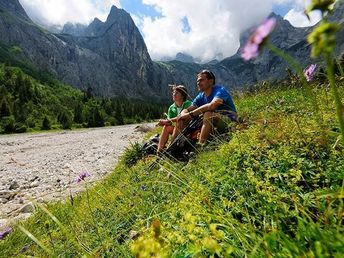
273 187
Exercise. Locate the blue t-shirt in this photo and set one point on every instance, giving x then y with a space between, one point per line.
218 92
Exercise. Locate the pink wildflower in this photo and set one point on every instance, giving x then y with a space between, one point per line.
309 72
82 176
256 40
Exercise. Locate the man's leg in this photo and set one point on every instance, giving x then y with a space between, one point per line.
166 131
209 119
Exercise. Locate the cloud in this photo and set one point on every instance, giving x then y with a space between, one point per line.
298 19
214 27
59 12
207 29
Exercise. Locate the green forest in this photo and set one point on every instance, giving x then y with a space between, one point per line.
43 103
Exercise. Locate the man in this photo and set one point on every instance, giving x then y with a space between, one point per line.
213 101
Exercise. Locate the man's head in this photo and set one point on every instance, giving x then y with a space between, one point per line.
205 80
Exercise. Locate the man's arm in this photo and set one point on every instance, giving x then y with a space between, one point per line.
193 111
207 107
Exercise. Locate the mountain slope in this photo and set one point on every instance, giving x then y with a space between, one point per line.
112 58
234 72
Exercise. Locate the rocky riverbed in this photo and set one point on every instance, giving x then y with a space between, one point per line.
44 166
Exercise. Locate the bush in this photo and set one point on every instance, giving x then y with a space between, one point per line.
65 118
46 124
132 154
20 128
8 124
30 122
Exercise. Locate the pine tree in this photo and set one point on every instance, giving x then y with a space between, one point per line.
78 113
65 119
4 108
46 125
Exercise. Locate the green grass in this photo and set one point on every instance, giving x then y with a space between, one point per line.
275 189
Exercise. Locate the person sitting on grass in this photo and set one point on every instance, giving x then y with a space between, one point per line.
180 102
214 102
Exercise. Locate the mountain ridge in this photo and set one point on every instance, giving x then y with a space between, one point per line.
112 58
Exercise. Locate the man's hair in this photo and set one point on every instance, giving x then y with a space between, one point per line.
209 74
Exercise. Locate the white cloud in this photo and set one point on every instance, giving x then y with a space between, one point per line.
298 19
296 15
215 26
59 12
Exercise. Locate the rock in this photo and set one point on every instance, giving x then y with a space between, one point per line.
35 178
34 184
3 200
27 208
3 223
7 195
14 185
143 128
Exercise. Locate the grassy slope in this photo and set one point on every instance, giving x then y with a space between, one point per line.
275 189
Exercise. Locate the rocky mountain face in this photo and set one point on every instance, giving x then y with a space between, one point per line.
73 29
109 57
338 16
234 72
13 8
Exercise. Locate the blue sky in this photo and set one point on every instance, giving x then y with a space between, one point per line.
204 29
138 8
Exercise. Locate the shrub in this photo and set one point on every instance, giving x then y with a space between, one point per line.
46 124
8 124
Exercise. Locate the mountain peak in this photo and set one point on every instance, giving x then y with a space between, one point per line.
14 8
76 29
276 16
114 13
96 20
182 57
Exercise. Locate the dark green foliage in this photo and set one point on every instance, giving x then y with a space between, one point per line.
7 124
132 154
46 125
78 118
20 128
65 118
95 117
4 108
35 105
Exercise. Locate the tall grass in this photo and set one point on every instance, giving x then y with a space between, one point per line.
274 189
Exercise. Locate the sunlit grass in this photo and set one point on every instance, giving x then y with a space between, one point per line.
274 189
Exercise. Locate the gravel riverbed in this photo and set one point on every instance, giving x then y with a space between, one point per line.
44 166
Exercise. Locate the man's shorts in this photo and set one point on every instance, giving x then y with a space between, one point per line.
225 118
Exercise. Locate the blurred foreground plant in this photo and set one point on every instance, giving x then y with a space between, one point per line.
323 40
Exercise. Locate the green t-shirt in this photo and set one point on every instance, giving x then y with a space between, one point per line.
174 111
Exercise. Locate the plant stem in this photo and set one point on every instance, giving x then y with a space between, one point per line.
92 215
295 65
338 102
